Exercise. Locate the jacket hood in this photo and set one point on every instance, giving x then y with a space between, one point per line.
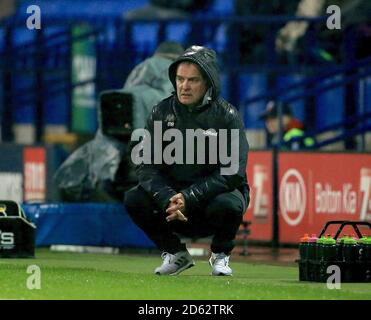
148 84
206 59
151 72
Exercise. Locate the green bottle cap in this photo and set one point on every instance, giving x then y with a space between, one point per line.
320 240
350 240
329 240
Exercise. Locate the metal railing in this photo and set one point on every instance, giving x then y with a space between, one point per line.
117 54
357 124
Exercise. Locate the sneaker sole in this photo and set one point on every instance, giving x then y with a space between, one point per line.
220 274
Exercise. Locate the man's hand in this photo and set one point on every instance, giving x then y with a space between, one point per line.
176 208
177 215
177 202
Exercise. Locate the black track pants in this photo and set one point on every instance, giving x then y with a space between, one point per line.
220 217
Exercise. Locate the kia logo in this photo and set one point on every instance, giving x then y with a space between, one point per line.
293 197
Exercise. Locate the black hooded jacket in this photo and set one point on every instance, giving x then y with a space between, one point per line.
198 183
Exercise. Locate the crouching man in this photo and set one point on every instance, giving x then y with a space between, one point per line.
191 166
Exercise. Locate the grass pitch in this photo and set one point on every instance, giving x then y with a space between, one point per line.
130 277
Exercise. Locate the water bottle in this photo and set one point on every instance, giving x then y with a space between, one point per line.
303 247
367 255
350 250
303 254
350 259
367 249
329 249
312 246
312 266
339 247
319 248
365 258
326 256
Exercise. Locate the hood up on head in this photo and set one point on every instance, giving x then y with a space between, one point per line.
206 59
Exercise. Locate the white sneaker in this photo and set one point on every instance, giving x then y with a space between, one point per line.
174 263
219 262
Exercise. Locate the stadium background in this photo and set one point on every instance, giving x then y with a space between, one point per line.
50 80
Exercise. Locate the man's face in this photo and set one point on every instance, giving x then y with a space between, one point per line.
190 85
272 125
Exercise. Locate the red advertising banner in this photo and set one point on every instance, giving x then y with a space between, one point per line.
259 174
34 170
317 187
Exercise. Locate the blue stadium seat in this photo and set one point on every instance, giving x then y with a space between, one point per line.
217 38
24 111
367 92
177 31
23 35
130 5
1 97
330 105
56 112
51 30
221 38
297 107
224 82
251 85
56 108
144 37
2 35
222 8
84 8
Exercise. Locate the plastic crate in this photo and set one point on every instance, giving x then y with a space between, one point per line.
354 267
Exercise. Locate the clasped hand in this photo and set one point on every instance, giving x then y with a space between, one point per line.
176 208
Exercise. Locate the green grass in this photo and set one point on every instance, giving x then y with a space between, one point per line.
102 276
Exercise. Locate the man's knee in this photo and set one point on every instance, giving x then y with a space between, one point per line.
227 204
